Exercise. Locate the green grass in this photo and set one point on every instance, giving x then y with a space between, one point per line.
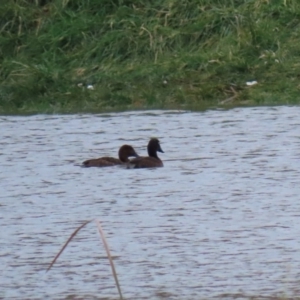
147 54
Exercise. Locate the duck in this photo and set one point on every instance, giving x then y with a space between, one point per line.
125 152
151 161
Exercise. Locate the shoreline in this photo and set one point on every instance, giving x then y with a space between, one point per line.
87 56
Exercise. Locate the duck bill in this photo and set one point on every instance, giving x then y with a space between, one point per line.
159 149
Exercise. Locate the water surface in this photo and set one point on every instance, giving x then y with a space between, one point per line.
221 219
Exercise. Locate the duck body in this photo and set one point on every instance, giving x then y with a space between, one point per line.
125 152
151 161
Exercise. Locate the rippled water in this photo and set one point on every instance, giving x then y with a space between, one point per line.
222 218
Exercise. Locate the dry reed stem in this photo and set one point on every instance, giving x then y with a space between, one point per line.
66 244
105 246
109 257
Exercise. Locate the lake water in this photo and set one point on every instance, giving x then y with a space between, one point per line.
220 220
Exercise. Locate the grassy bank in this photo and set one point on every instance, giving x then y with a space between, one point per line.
139 54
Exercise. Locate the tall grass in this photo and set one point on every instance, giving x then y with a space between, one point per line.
146 53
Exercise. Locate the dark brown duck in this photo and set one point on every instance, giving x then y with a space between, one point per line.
125 152
151 161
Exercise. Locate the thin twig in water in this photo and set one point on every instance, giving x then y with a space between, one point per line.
105 246
66 244
109 257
